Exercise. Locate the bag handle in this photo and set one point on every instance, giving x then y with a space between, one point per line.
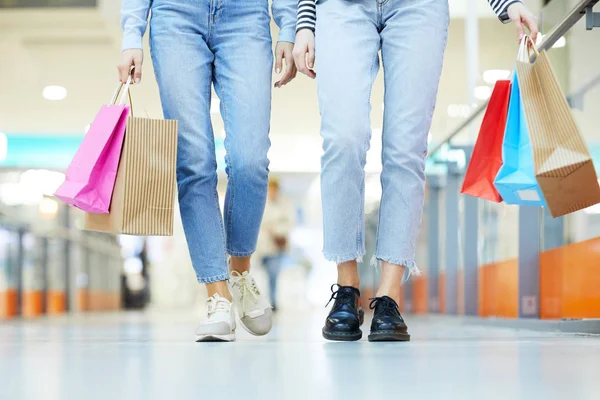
118 90
525 49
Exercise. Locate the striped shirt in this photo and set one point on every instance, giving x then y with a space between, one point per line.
307 12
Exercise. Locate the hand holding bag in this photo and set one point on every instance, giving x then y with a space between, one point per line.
562 162
144 195
90 178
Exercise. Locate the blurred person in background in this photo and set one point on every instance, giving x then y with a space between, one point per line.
195 44
411 35
274 238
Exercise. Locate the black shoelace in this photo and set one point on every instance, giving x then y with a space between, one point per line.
339 294
385 304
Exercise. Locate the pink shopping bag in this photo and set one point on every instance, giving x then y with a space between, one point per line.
90 178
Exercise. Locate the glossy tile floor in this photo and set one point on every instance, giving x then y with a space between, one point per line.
153 356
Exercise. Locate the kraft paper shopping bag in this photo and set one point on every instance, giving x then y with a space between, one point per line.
90 177
486 159
516 181
144 195
562 162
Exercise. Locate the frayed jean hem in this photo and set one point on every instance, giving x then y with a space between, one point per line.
338 259
410 265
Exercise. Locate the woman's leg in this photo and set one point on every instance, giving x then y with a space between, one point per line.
347 62
183 66
183 62
413 40
241 41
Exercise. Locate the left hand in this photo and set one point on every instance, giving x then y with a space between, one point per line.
522 17
283 50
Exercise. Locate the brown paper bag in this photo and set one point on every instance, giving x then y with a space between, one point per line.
144 194
562 162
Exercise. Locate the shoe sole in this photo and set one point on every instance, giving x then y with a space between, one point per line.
389 336
346 336
216 338
342 336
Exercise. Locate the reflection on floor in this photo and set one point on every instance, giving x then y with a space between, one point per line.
153 356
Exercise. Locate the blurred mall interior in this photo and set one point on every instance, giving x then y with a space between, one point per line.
508 306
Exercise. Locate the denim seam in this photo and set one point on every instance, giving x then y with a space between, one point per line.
212 279
361 213
240 253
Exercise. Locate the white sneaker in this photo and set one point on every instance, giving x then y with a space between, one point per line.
253 309
219 325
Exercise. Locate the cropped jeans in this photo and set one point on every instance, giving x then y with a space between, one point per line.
194 44
411 35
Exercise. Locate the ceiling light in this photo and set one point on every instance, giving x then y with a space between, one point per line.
54 93
482 92
492 75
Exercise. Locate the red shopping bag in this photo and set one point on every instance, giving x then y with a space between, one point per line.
486 159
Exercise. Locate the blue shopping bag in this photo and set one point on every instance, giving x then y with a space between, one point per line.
516 180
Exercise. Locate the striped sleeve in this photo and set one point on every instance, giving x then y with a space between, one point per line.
307 15
500 7
307 12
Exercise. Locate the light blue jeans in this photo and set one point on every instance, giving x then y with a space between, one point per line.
411 35
273 267
195 43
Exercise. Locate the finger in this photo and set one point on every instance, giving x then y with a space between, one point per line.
289 72
532 25
278 60
298 59
123 72
137 70
520 29
311 57
308 72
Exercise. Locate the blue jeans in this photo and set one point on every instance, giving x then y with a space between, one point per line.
273 267
411 35
194 44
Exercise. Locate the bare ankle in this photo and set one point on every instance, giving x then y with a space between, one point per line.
239 264
348 274
220 288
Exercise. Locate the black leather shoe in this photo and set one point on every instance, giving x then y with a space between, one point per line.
346 316
388 325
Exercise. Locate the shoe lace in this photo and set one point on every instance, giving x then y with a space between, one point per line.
216 304
248 287
384 303
339 294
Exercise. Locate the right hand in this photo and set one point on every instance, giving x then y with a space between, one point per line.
304 52
131 58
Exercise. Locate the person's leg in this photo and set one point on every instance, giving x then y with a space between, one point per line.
273 266
413 40
183 66
241 41
347 45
